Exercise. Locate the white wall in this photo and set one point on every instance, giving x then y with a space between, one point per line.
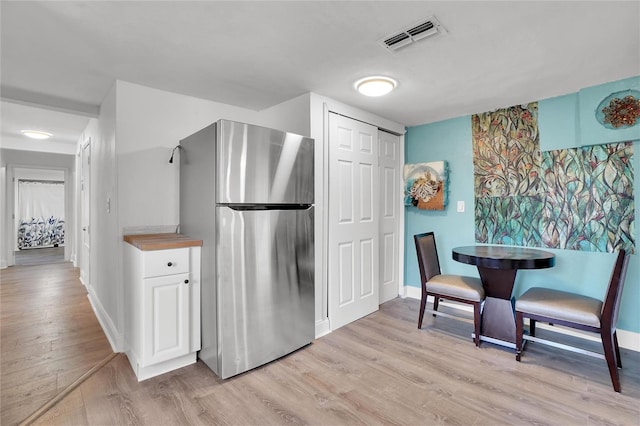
292 116
150 124
104 290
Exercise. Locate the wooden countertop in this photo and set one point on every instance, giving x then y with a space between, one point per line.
161 241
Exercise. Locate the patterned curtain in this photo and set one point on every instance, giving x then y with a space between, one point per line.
40 214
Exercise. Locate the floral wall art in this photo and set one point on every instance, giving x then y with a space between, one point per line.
619 110
426 185
579 199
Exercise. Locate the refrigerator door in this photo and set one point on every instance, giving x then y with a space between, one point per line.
265 278
257 165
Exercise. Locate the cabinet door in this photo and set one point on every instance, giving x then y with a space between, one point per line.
165 318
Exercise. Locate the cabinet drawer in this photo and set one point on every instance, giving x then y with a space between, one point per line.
165 262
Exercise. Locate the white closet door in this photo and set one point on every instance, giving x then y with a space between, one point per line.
353 251
390 211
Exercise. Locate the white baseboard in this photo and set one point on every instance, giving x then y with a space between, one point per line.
626 339
412 292
107 325
144 373
322 328
3 264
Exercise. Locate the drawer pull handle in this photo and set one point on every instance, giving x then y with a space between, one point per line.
170 264
186 281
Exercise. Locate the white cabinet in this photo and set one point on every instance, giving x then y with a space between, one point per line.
162 306
165 326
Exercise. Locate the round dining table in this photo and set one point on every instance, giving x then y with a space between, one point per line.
498 266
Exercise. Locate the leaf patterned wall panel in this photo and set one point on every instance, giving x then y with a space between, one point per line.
589 198
577 199
514 220
506 152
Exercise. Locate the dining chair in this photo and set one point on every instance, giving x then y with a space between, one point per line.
459 288
579 312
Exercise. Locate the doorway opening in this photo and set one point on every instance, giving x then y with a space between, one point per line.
39 216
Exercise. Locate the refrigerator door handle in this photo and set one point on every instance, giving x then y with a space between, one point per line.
253 207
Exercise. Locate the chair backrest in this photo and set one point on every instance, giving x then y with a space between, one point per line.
427 255
611 304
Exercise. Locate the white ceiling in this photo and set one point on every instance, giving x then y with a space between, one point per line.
67 55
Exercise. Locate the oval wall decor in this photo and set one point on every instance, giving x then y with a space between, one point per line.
619 110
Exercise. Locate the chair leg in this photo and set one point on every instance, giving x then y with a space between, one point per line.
476 322
423 304
617 348
519 333
436 303
609 354
532 327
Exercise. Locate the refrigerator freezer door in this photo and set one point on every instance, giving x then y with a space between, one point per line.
265 273
257 165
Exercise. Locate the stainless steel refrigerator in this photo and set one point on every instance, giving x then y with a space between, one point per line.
247 192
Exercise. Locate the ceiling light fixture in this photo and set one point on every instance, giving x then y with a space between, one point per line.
375 85
36 134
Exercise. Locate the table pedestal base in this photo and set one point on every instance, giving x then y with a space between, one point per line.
497 341
498 322
498 266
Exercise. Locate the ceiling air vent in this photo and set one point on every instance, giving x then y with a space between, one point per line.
418 31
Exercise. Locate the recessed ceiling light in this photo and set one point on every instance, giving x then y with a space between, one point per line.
375 85
36 134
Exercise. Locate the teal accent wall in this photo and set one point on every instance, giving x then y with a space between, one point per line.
577 271
558 122
591 131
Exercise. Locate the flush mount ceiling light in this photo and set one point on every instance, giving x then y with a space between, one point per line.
375 85
36 134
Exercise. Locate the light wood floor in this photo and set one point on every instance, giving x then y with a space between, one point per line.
378 370
39 256
49 336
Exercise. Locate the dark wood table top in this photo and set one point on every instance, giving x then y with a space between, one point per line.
504 257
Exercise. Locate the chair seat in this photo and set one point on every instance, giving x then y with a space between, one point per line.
459 286
561 305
